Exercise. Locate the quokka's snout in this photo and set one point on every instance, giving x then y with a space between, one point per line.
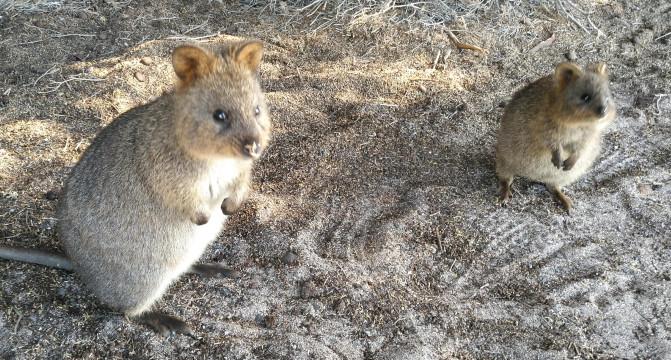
252 148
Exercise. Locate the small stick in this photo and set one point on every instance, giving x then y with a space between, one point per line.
16 326
598 31
163 18
68 35
181 37
462 45
58 84
308 6
30 42
659 98
48 72
568 14
195 28
547 42
57 34
435 61
577 8
662 36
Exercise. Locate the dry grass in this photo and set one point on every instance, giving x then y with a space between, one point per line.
441 15
347 13
41 6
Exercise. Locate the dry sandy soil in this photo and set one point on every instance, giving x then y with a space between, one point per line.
380 179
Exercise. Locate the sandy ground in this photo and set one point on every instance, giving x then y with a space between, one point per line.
380 180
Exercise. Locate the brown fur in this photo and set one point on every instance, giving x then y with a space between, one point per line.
146 197
549 133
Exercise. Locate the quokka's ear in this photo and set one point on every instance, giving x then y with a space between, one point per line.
191 63
247 54
600 68
566 73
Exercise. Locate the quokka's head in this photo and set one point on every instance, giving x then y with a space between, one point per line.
585 94
220 108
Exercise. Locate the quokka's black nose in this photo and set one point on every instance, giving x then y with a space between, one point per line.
601 110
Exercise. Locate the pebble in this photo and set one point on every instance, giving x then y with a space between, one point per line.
645 189
644 37
140 76
340 306
571 55
254 283
290 258
422 88
48 224
308 289
267 321
146 60
51 195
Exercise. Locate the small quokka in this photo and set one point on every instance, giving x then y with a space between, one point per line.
551 130
155 186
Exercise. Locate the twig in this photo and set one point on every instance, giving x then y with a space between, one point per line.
57 34
598 32
435 61
188 38
30 42
659 99
48 72
547 42
662 36
462 45
571 17
18 321
195 27
58 84
163 18
578 8
309 6
68 35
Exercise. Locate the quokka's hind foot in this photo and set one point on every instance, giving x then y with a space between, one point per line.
164 324
564 200
505 190
200 218
229 207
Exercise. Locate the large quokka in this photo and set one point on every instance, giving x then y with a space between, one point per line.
551 130
155 186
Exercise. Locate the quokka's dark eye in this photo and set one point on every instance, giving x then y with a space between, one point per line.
257 110
220 116
586 98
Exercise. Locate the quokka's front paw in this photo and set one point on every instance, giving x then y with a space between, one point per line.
200 218
229 207
568 163
556 160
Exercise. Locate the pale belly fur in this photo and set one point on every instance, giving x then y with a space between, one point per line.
213 187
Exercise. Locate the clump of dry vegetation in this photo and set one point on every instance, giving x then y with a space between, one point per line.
40 6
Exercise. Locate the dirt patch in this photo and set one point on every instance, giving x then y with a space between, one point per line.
380 179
